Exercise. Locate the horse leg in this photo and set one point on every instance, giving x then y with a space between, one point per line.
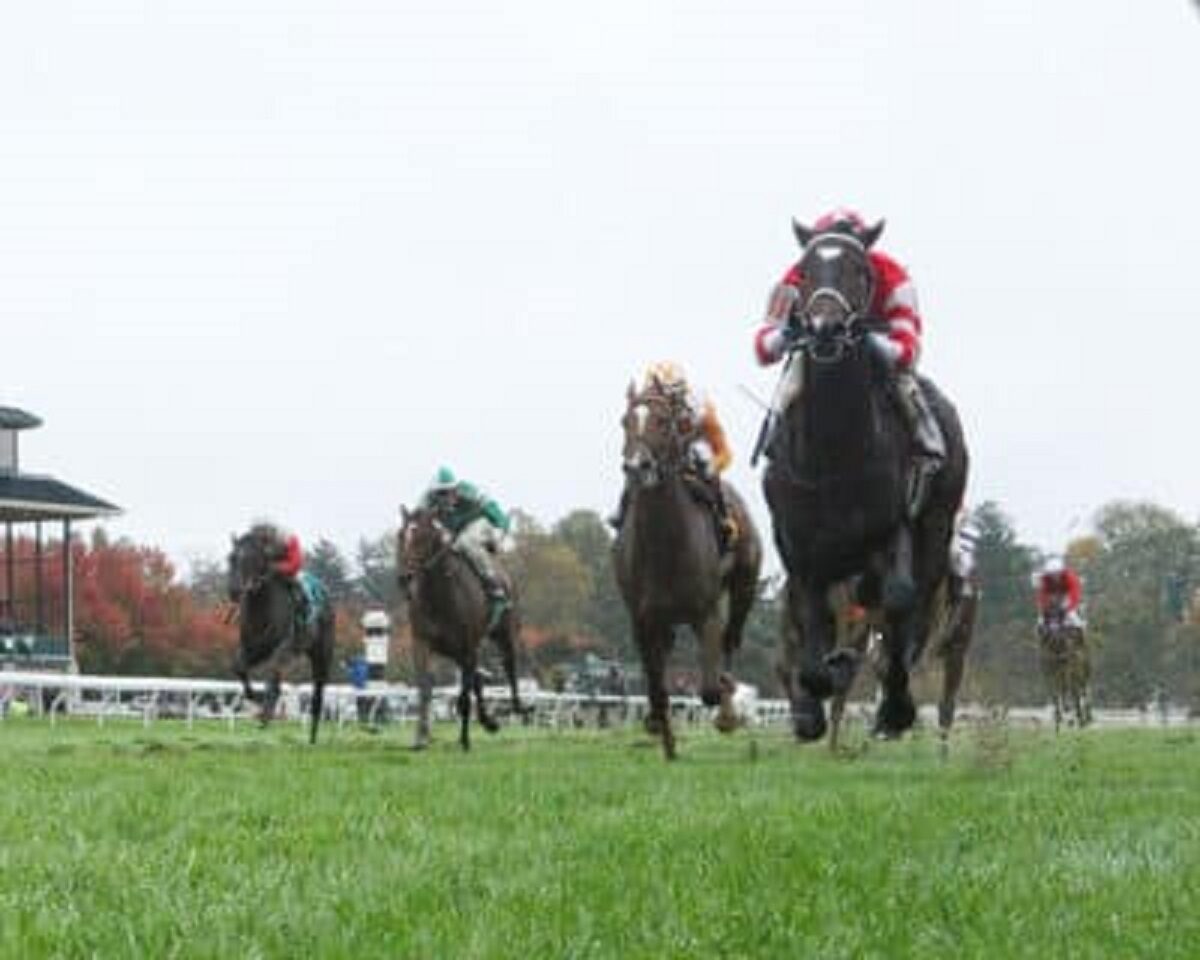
485 719
716 687
653 645
424 691
743 592
506 640
271 698
897 711
319 658
242 671
467 678
816 629
954 656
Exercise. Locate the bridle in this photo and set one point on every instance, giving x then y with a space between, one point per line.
414 563
664 452
827 322
246 586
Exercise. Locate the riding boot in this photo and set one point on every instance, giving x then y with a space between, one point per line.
493 588
929 445
617 519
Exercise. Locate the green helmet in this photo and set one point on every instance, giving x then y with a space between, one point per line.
444 479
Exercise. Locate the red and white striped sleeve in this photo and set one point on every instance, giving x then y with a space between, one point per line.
897 304
768 338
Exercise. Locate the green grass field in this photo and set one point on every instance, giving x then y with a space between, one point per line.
124 841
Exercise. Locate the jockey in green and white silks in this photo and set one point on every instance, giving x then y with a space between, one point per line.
478 524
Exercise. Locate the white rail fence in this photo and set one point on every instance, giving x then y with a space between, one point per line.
149 699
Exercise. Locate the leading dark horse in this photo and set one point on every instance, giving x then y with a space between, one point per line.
668 560
449 613
271 632
838 485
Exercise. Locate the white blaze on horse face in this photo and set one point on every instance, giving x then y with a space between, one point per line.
641 417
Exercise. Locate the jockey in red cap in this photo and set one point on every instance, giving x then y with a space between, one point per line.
1059 594
890 297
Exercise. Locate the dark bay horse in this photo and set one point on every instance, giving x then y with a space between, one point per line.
449 612
837 486
668 561
1066 667
271 632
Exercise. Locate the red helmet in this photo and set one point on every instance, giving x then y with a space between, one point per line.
840 218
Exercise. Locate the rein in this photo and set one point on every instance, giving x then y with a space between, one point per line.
677 439
426 564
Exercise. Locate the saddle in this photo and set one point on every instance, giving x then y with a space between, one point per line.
706 492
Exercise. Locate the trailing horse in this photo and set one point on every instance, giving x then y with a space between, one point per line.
273 629
1066 667
839 487
449 613
668 560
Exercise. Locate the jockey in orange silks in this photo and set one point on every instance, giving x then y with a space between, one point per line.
709 450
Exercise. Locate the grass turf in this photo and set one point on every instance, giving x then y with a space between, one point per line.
160 842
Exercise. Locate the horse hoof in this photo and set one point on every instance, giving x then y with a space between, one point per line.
491 726
808 721
726 722
843 666
896 715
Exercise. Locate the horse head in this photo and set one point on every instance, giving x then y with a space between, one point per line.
837 287
250 559
658 430
420 543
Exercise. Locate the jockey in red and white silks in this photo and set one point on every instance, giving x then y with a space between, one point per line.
892 300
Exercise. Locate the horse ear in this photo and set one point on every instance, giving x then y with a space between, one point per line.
803 234
871 234
631 392
233 539
403 514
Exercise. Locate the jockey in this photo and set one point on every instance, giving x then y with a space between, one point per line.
287 559
893 300
1059 593
709 450
477 524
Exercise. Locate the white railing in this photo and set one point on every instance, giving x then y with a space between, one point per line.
154 698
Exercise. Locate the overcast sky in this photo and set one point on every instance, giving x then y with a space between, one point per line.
285 258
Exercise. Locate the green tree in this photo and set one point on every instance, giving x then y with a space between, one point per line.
327 563
1148 558
376 563
587 535
1002 665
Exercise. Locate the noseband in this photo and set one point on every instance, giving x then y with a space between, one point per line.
823 340
672 459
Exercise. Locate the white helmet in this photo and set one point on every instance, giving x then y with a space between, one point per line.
1054 566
